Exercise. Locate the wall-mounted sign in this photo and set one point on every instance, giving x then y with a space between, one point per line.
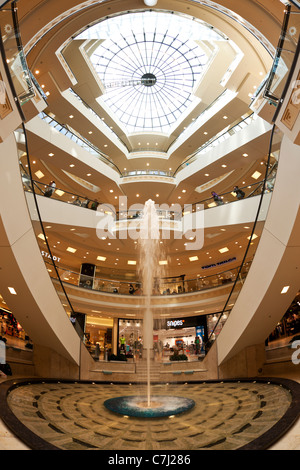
46 255
175 323
218 264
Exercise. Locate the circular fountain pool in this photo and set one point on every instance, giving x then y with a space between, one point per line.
160 406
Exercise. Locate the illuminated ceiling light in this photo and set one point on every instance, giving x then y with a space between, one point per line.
111 190
51 154
137 195
224 166
245 155
39 174
206 174
12 290
59 192
101 258
131 262
225 117
41 236
223 250
253 237
71 116
163 262
256 175
37 72
184 190
72 166
71 250
89 174
90 132
285 289
157 195
47 93
193 258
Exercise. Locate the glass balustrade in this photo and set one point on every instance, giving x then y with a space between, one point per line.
285 54
168 286
218 139
15 57
78 139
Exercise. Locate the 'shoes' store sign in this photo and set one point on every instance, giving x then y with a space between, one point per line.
175 323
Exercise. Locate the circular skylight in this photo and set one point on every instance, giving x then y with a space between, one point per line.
149 63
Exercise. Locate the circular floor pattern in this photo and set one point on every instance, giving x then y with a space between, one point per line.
72 416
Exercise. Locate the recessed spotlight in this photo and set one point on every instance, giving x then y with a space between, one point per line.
12 290
51 154
71 116
256 175
39 174
285 289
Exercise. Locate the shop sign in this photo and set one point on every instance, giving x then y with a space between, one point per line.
46 255
175 323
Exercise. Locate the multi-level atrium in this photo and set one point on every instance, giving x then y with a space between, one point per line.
105 105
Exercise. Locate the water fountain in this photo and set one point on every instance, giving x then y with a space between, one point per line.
150 255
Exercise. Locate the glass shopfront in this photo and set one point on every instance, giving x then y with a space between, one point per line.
180 335
183 335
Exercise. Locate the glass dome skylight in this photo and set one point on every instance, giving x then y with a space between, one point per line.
149 63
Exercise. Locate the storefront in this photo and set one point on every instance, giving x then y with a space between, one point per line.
183 335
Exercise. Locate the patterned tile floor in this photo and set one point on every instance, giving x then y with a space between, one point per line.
71 416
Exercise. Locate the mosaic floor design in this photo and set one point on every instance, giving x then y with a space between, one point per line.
226 416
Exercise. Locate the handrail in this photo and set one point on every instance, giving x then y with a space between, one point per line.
208 343
287 84
183 286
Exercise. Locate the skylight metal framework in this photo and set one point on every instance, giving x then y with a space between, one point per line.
149 63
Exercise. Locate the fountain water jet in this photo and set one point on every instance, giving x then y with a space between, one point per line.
149 269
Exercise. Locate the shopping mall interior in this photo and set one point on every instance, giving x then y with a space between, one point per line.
149 227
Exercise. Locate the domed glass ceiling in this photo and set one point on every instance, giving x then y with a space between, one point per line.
149 63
